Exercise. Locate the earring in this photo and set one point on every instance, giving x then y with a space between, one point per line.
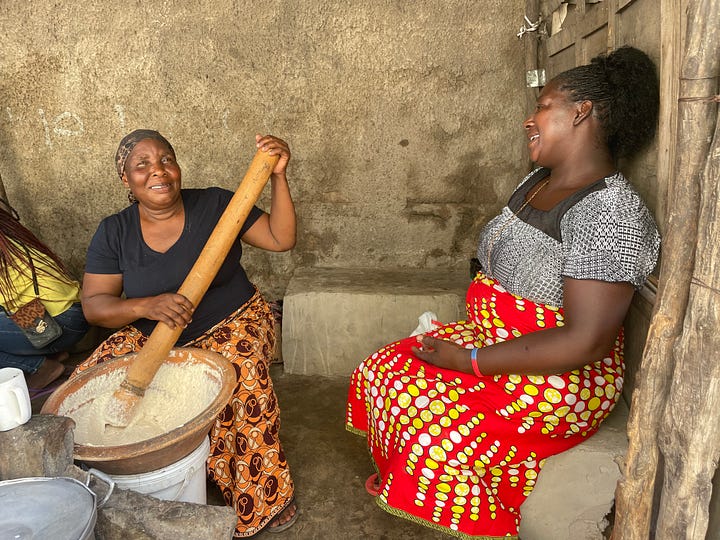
131 197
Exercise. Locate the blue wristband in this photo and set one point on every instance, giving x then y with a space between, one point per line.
473 362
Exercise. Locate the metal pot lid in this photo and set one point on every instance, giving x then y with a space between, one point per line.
59 508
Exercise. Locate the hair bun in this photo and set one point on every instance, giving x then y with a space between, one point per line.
633 83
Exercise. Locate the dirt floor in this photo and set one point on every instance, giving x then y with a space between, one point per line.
329 465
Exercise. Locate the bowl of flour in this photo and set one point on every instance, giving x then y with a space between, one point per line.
189 390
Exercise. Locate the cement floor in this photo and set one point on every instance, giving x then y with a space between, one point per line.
329 465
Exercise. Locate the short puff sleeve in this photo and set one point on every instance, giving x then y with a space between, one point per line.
610 236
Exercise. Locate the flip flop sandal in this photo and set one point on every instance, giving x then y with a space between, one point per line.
289 523
372 485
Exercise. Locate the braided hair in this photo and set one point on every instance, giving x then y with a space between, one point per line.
13 235
624 89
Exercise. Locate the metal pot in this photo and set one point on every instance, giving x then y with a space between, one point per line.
61 508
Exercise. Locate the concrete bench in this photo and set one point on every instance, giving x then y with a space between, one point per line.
334 318
576 489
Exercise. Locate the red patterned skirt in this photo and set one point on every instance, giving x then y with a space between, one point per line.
246 460
460 453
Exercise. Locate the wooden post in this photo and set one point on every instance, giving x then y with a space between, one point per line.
666 344
690 433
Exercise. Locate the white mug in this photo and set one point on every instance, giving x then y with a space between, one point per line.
15 407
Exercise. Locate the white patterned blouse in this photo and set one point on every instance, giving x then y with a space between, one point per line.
602 232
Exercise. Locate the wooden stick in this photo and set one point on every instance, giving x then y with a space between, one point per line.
121 407
636 491
689 433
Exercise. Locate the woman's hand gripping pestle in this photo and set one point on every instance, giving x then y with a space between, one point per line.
121 407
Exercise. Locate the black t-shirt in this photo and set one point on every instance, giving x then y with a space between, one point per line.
118 248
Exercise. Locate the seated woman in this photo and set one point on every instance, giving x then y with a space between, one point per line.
460 421
136 262
21 252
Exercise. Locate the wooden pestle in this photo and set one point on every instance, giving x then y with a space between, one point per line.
121 407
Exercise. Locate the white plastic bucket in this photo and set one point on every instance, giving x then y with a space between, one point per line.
184 480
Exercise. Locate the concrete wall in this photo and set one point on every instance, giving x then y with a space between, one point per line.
403 117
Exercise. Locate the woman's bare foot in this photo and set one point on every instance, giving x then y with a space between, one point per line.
285 519
48 371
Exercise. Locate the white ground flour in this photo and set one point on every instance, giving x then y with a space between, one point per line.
177 394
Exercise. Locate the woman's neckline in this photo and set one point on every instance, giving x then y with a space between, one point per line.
539 177
177 240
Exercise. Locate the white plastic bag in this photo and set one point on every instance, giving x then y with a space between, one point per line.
426 322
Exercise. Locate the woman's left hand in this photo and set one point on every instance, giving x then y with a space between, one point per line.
443 354
275 147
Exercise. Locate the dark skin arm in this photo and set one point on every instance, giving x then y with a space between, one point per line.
594 313
103 304
275 231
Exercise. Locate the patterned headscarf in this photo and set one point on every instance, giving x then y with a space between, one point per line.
128 143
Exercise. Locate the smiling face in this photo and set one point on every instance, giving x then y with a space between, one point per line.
549 129
152 174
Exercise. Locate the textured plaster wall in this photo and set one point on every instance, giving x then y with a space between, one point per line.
403 117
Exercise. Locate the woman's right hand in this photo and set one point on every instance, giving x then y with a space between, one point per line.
104 305
442 353
171 308
274 147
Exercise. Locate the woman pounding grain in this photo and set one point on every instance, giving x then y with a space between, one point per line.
460 422
137 260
